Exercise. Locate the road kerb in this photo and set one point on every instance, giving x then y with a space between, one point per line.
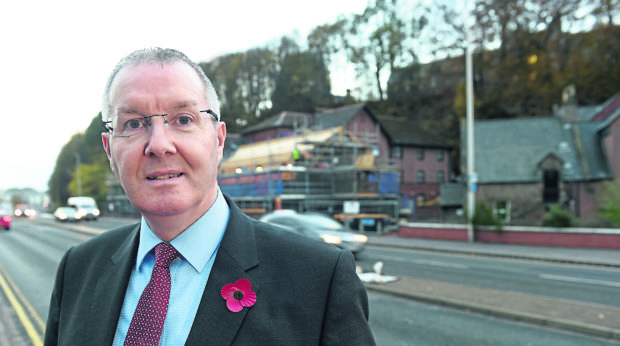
515 315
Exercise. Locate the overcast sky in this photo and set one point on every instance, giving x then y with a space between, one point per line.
56 56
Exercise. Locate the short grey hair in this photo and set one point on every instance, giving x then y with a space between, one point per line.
160 56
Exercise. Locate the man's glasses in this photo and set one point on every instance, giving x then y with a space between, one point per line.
136 125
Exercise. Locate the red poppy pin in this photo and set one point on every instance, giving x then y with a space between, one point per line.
238 295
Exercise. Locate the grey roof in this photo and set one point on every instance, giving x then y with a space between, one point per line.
593 157
404 132
510 150
341 116
587 112
283 119
609 110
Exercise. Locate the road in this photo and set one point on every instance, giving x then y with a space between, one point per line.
30 252
582 283
398 321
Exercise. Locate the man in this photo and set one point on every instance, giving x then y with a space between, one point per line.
228 279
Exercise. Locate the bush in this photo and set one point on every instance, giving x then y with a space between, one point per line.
558 217
609 203
484 216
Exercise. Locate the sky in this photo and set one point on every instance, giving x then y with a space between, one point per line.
56 57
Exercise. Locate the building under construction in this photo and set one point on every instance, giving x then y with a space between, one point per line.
330 171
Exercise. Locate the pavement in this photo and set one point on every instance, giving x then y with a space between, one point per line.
577 316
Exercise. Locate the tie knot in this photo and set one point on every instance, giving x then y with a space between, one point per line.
165 254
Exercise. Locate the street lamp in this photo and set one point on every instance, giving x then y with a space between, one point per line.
78 162
471 175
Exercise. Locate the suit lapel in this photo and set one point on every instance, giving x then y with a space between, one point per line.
214 323
110 292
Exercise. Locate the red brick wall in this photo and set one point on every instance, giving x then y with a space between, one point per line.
365 128
577 237
564 239
269 134
430 165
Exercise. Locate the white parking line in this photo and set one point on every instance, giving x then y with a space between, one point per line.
579 280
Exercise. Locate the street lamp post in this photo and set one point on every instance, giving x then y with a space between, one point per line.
78 163
471 175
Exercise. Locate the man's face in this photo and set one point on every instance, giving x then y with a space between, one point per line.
164 173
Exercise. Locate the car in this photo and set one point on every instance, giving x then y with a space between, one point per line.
86 207
67 214
5 219
88 212
24 210
318 226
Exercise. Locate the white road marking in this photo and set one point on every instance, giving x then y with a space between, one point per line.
579 280
426 262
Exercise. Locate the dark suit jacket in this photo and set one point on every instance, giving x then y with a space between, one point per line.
307 292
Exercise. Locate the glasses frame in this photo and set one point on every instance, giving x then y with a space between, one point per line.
108 129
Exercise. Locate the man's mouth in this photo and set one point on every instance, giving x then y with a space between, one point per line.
164 176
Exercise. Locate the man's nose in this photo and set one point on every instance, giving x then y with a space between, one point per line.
160 140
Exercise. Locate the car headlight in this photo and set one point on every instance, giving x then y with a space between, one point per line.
331 239
360 238
96 212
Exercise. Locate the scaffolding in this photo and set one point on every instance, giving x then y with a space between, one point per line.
313 171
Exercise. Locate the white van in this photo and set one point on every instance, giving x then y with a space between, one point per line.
86 207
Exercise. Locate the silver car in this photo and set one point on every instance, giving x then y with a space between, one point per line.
318 226
67 214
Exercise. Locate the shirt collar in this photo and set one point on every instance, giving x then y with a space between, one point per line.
198 242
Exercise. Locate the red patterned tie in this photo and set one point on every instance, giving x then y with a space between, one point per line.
148 319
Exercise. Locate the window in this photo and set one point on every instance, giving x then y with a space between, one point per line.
440 154
420 153
421 177
501 209
441 176
551 186
397 153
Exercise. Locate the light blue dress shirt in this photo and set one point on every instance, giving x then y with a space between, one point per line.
189 272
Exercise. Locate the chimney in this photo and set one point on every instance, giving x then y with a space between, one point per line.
568 110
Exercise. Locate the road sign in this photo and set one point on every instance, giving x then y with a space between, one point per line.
351 207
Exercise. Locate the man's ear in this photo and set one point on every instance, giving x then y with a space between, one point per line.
105 139
221 134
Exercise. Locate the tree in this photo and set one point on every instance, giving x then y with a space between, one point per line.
605 10
377 40
88 147
609 203
62 175
258 70
93 148
93 179
302 84
327 40
244 82
591 64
